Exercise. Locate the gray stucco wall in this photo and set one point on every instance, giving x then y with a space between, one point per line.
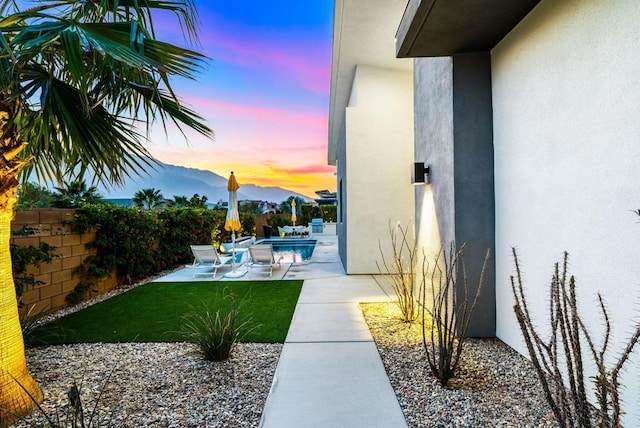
474 182
433 100
454 137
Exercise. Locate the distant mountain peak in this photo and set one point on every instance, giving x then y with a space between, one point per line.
174 180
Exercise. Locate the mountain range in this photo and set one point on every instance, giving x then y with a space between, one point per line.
173 180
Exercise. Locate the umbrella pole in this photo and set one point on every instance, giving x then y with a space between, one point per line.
233 250
234 273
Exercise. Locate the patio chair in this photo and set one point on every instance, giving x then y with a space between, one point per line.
261 255
287 230
206 256
301 230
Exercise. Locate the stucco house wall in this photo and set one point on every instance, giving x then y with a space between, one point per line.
453 135
378 153
567 154
433 85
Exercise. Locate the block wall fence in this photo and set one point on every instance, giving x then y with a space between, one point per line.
58 276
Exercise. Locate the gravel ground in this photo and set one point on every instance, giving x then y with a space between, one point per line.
167 385
495 387
153 384
157 384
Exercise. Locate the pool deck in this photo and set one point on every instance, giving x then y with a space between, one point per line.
324 263
329 373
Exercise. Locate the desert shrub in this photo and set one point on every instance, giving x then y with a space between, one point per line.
326 212
34 332
400 271
278 220
559 359
75 413
126 240
247 222
444 331
218 328
139 243
179 228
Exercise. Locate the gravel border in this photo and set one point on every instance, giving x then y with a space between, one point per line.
156 384
153 384
496 386
167 385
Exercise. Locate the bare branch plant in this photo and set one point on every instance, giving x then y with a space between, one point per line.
559 360
444 330
400 271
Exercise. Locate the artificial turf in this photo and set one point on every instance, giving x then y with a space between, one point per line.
153 312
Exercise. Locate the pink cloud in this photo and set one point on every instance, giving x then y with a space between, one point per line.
214 108
303 59
309 169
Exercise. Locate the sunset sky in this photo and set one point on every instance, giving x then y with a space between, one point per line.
264 92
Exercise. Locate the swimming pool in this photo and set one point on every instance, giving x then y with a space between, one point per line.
291 250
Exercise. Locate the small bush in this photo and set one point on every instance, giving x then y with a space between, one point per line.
279 220
34 332
73 413
218 329
449 318
400 271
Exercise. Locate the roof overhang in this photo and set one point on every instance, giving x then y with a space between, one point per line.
431 28
363 34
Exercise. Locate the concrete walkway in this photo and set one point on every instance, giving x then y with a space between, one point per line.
329 373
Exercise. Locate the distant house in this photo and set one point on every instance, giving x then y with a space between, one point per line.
526 113
326 197
268 207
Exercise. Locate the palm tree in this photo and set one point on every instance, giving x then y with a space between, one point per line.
77 79
178 202
148 199
198 201
74 194
285 206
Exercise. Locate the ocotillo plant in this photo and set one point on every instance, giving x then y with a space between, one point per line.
400 271
444 332
559 360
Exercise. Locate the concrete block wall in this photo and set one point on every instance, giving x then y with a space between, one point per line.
58 276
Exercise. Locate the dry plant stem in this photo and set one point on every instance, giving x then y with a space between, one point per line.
448 319
565 390
400 272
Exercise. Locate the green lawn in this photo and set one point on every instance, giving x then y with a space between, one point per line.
152 312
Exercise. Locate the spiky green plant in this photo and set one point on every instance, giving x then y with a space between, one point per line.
217 330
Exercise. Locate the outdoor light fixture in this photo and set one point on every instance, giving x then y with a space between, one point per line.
420 173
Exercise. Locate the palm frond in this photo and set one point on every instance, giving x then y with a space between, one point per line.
85 79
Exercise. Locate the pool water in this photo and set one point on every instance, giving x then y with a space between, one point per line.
291 250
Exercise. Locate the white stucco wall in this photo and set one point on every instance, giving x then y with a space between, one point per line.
566 103
379 152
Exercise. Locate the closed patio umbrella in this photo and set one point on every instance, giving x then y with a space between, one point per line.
232 221
293 212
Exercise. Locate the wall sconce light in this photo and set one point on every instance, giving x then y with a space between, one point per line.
420 173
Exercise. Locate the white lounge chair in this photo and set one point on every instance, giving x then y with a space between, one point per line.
301 230
206 256
287 230
261 255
